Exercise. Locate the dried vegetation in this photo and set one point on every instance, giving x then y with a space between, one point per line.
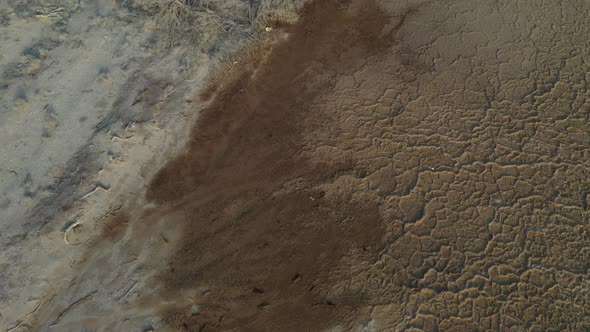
233 34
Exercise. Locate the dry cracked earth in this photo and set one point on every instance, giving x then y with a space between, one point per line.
388 166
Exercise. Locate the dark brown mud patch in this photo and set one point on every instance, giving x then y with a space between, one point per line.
252 213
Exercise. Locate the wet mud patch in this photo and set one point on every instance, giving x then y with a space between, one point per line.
260 234
270 265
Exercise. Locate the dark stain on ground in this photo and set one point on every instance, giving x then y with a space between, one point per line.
256 229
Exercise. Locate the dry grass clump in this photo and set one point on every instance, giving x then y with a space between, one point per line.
265 22
235 34
174 13
278 13
203 23
210 22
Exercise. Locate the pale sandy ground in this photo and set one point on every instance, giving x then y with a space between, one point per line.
485 213
91 103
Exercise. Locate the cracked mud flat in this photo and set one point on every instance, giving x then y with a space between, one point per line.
388 166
